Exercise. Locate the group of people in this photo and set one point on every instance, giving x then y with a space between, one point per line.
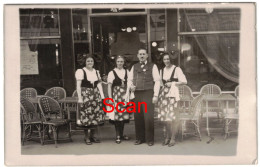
143 83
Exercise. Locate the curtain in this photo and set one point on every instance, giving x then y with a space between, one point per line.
221 50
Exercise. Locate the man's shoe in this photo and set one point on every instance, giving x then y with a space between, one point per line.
125 137
150 144
138 142
94 140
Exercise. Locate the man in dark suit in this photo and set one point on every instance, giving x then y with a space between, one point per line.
144 80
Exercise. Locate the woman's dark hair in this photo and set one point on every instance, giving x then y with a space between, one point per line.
81 59
89 56
170 56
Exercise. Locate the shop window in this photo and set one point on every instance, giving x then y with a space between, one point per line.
80 35
209 42
39 22
40 57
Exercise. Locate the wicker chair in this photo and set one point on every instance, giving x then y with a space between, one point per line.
232 116
214 107
28 93
30 120
185 97
210 90
56 93
53 117
191 118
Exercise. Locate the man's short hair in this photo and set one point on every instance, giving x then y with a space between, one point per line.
142 48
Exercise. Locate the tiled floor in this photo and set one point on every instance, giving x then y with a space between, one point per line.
189 146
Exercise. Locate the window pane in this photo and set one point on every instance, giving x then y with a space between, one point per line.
158 43
210 59
209 19
40 63
39 22
80 35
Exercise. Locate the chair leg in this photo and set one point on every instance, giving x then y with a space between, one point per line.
198 129
182 130
43 134
69 133
40 132
24 134
226 129
54 129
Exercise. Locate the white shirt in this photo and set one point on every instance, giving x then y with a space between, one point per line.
156 78
120 73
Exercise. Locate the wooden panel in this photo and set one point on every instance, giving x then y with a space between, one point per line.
67 54
172 34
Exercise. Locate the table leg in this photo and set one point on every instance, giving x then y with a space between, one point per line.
226 129
226 122
207 120
68 112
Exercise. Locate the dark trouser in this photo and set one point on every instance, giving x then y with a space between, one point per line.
144 122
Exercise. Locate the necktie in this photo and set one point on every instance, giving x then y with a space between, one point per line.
142 64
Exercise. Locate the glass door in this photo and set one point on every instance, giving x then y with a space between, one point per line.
117 35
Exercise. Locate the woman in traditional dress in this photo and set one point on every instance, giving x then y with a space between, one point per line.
172 77
117 88
90 95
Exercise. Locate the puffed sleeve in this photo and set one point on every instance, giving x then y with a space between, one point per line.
155 73
110 77
180 75
98 75
157 80
79 75
161 77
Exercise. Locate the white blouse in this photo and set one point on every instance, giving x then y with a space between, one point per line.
120 73
174 90
91 75
167 72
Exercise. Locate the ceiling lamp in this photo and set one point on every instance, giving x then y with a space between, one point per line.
154 44
134 28
123 29
209 10
129 29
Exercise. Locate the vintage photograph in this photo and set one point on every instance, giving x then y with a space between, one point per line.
124 80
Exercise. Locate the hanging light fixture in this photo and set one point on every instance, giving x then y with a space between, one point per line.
52 14
134 28
129 29
209 10
154 44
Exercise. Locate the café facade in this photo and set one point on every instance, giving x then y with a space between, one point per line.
204 42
